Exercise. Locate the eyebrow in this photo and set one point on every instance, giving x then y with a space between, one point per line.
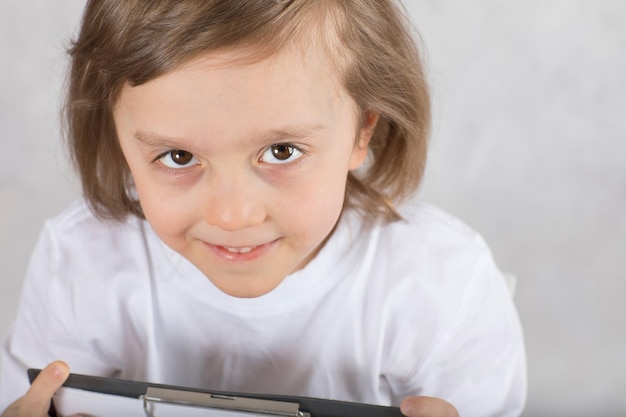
156 140
291 133
284 134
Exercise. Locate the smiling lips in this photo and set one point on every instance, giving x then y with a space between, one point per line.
241 253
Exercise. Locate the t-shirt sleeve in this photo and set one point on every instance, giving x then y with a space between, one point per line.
23 345
44 328
478 363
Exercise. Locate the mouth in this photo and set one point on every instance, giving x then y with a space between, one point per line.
244 249
241 253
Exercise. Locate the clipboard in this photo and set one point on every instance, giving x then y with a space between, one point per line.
111 397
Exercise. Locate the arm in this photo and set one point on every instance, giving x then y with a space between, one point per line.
58 288
480 358
27 344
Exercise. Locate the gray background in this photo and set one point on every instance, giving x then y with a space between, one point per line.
528 148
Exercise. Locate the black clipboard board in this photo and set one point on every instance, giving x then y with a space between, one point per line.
160 400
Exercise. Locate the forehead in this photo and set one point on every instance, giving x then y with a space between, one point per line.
254 68
227 94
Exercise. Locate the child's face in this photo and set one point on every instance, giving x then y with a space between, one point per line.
241 168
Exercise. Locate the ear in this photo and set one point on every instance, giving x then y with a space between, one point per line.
359 153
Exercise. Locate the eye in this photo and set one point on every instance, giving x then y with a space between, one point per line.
281 153
177 159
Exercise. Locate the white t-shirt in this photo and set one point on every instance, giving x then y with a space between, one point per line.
416 307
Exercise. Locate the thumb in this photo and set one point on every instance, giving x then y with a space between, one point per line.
36 401
427 407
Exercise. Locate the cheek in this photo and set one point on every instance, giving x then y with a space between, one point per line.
168 215
315 205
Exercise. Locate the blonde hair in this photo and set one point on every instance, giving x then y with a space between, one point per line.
133 41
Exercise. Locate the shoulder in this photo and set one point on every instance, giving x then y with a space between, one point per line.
435 263
79 221
87 261
429 231
444 286
85 270
78 229
429 256
79 246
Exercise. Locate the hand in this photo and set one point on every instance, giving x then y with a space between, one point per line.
36 401
427 407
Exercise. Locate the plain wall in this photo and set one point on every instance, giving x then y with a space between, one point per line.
528 147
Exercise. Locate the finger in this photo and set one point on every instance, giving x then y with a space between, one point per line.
427 407
36 401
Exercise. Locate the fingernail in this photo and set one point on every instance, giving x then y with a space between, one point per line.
59 370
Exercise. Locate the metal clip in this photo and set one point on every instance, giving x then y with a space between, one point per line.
215 402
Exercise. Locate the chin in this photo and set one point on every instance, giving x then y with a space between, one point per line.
247 291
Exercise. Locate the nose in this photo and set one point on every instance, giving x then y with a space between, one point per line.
233 202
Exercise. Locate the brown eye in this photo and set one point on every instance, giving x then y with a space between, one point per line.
181 157
281 151
177 159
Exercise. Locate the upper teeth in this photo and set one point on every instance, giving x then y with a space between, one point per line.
240 250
